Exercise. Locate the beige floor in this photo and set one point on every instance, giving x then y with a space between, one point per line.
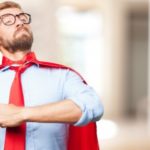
132 135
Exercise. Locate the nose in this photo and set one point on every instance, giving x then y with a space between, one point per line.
18 22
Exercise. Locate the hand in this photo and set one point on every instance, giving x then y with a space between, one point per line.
11 115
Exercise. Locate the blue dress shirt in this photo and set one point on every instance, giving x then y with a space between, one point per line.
46 85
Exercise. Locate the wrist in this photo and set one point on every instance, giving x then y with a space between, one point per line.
25 113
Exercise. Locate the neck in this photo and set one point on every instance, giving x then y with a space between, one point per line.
16 56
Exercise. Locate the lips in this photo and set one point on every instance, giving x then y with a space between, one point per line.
21 29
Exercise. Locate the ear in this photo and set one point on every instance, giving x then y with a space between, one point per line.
1 42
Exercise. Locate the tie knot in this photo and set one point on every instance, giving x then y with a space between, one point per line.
21 68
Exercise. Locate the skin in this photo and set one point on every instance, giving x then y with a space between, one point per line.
65 111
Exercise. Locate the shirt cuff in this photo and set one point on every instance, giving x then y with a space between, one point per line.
86 116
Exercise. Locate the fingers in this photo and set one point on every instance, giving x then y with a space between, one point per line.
2 126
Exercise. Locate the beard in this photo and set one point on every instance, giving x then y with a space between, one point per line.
22 41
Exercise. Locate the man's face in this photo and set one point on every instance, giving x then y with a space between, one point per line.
15 37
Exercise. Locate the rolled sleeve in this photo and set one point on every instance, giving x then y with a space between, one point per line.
85 97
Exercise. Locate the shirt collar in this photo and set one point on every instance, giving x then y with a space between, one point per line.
7 67
7 63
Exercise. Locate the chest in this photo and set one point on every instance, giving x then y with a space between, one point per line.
39 86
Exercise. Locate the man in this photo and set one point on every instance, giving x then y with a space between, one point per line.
39 101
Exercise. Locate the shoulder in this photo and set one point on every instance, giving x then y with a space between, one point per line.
53 65
61 68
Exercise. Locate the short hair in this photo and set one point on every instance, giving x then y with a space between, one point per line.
9 4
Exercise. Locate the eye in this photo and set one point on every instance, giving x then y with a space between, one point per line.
8 19
24 18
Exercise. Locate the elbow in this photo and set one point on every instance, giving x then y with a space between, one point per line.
89 112
98 111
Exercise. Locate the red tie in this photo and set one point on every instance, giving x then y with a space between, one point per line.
16 136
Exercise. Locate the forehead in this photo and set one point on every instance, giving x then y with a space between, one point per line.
13 11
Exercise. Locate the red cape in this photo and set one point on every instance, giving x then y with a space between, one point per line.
80 138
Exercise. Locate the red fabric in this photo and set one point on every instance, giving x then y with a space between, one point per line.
15 136
80 138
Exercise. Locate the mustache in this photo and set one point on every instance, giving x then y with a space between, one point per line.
21 28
